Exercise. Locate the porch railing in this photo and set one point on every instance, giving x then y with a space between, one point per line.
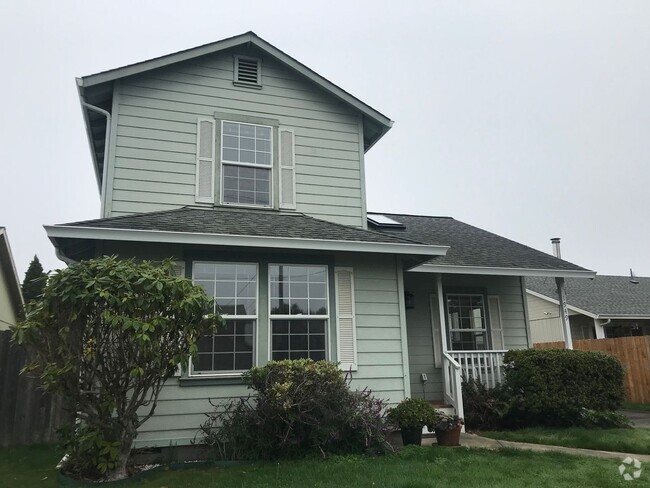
485 366
453 393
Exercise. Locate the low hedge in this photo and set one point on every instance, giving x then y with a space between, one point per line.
551 386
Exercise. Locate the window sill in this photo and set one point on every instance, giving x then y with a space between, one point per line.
210 380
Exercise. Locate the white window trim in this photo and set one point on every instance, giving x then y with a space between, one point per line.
222 161
302 316
234 373
486 329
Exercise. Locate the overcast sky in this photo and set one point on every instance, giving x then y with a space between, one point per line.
528 119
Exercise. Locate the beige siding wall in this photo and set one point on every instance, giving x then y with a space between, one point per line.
419 326
7 312
546 325
152 166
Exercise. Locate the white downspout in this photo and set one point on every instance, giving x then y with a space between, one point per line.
106 114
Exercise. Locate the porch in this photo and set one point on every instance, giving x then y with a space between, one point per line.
461 326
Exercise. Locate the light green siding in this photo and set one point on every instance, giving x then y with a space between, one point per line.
152 166
419 327
379 327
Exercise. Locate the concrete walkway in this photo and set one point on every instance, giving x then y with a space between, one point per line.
639 418
471 440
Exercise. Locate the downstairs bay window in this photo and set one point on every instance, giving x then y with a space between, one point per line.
234 287
299 311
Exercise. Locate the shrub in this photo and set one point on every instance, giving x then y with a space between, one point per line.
596 419
445 423
413 413
300 408
484 407
551 386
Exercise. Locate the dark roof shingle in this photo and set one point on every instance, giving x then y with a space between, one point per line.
471 246
243 222
604 295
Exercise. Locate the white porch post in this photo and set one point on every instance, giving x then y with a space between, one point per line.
443 318
564 313
599 329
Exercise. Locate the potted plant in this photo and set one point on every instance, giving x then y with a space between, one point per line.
411 416
447 428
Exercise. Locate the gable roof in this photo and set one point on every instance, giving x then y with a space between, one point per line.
8 269
96 89
604 296
240 227
477 251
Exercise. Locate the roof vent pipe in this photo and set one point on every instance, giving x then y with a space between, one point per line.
556 247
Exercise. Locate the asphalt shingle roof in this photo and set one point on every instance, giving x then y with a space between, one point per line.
604 295
243 222
471 246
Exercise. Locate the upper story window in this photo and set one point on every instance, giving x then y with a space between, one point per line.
234 286
246 162
467 322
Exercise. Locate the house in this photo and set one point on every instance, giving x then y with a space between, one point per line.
605 307
11 298
247 168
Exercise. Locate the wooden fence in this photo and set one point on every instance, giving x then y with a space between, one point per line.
633 352
27 414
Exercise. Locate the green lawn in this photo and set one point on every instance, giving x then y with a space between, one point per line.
413 467
621 440
637 406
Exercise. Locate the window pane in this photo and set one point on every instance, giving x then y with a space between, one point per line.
226 272
247 156
225 289
227 306
230 170
247 143
263 132
208 287
246 130
298 306
230 154
262 145
204 271
317 307
230 128
246 306
231 142
224 362
263 158
262 174
306 339
243 361
224 343
298 290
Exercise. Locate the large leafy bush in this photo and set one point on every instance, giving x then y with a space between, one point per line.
298 408
105 335
552 386
484 407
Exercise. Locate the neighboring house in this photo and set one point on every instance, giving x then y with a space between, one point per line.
11 298
607 306
247 168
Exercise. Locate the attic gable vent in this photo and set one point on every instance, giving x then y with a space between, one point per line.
248 71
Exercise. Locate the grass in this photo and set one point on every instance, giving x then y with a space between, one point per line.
637 406
412 467
620 440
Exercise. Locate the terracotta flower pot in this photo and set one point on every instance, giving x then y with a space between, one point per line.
412 436
448 437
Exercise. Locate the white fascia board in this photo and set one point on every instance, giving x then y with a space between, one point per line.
623 317
556 302
248 37
73 232
481 270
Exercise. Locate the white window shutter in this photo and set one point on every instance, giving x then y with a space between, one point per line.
496 324
205 160
287 151
346 334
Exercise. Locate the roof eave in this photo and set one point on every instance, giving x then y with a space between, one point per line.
502 271
556 302
89 135
9 266
56 232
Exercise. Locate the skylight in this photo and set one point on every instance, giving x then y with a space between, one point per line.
382 221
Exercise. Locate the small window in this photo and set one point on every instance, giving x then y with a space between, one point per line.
234 287
248 71
467 322
382 221
299 312
246 164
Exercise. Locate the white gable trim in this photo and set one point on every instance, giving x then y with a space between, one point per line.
486 270
111 234
556 302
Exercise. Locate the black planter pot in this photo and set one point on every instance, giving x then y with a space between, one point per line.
412 436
